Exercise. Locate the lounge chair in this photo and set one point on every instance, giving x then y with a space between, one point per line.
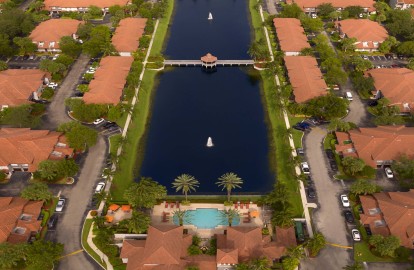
166 204
236 206
172 205
177 204
247 205
241 206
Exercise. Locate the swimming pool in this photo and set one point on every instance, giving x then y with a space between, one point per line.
206 218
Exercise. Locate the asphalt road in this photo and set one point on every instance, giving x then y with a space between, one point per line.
327 218
56 111
69 227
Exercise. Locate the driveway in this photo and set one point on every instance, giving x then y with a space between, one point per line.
16 184
327 218
69 228
56 111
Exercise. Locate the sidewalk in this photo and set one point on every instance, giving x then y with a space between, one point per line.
96 249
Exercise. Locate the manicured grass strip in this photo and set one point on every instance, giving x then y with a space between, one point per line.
280 148
133 148
85 231
162 30
114 143
256 21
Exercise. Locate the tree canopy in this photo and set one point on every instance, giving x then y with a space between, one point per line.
43 255
145 193
364 187
353 165
36 191
291 11
325 9
79 136
385 246
99 41
327 107
70 47
53 170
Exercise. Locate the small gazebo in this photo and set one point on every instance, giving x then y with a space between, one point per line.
208 61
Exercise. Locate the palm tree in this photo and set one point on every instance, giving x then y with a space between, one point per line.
229 181
296 252
282 216
107 172
230 215
260 264
138 223
180 215
354 266
186 183
99 221
101 196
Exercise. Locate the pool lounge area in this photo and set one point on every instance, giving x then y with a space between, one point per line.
206 219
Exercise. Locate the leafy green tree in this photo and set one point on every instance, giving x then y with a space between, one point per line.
12 254
328 107
354 11
279 194
99 41
5 47
289 263
362 83
3 176
36 192
385 246
101 196
338 124
388 44
296 252
145 193
364 187
258 50
348 44
361 65
399 24
283 216
99 221
19 116
43 254
49 170
306 52
336 75
3 66
25 44
291 11
310 24
84 31
355 265
229 181
230 215
114 9
316 244
386 114
325 9
404 167
406 48
410 64
37 6
186 183
381 7
79 136
138 223
15 23
260 264
95 11
86 112
353 165
52 66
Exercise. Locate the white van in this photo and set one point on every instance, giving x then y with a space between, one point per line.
348 96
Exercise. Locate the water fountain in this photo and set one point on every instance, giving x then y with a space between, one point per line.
210 16
210 142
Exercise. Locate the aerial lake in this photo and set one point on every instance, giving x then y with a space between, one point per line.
190 104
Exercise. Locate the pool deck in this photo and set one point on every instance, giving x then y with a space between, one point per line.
159 210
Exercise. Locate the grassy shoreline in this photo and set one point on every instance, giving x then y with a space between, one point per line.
281 151
136 133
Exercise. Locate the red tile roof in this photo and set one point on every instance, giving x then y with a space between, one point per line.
208 58
305 78
335 3
109 80
383 143
396 209
25 146
128 33
395 84
12 209
49 4
17 85
290 34
51 31
365 31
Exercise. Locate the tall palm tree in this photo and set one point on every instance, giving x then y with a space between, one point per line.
229 181
230 215
296 252
180 215
260 264
186 183
101 196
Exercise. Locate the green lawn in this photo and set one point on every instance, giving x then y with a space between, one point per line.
162 30
113 143
362 253
296 134
86 228
256 21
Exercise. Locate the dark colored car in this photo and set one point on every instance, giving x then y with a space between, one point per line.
309 180
300 151
78 94
333 165
297 127
372 103
349 217
368 230
113 128
51 223
330 154
311 193
108 124
304 125
41 101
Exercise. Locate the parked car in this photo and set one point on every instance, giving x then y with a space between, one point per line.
304 125
305 168
389 173
31 57
98 121
51 223
60 205
309 180
348 96
52 85
55 57
333 165
368 230
356 235
300 151
349 217
78 94
108 124
373 103
345 200
41 101
311 192
100 187
297 127
330 154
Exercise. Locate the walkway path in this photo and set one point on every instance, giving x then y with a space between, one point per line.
304 200
56 112
269 45
96 249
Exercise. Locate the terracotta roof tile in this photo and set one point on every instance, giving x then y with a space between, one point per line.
109 80
305 77
18 85
286 236
290 34
395 84
379 144
227 256
51 31
128 33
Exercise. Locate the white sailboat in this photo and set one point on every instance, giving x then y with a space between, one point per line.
210 16
210 142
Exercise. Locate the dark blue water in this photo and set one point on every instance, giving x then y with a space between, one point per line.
191 105
227 36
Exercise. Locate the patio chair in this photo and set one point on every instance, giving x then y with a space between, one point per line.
241 206
172 205
236 206
166 204
247 205
177 204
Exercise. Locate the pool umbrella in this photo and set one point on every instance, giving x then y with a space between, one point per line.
254 213
109 219
113 207
126 207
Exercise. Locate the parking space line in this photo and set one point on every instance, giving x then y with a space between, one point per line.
339 246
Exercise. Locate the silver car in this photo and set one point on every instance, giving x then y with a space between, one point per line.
60 205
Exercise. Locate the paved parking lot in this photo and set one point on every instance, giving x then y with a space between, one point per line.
383 61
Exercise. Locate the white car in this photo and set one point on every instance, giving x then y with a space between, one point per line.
100 187
60 205
55 57
52 85
305 168
345 200
389 173
356 235
98 121
90 71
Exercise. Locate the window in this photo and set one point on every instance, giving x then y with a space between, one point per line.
19 230
56 154
364 44
41 43
374 211
379 223
26 217
52 44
